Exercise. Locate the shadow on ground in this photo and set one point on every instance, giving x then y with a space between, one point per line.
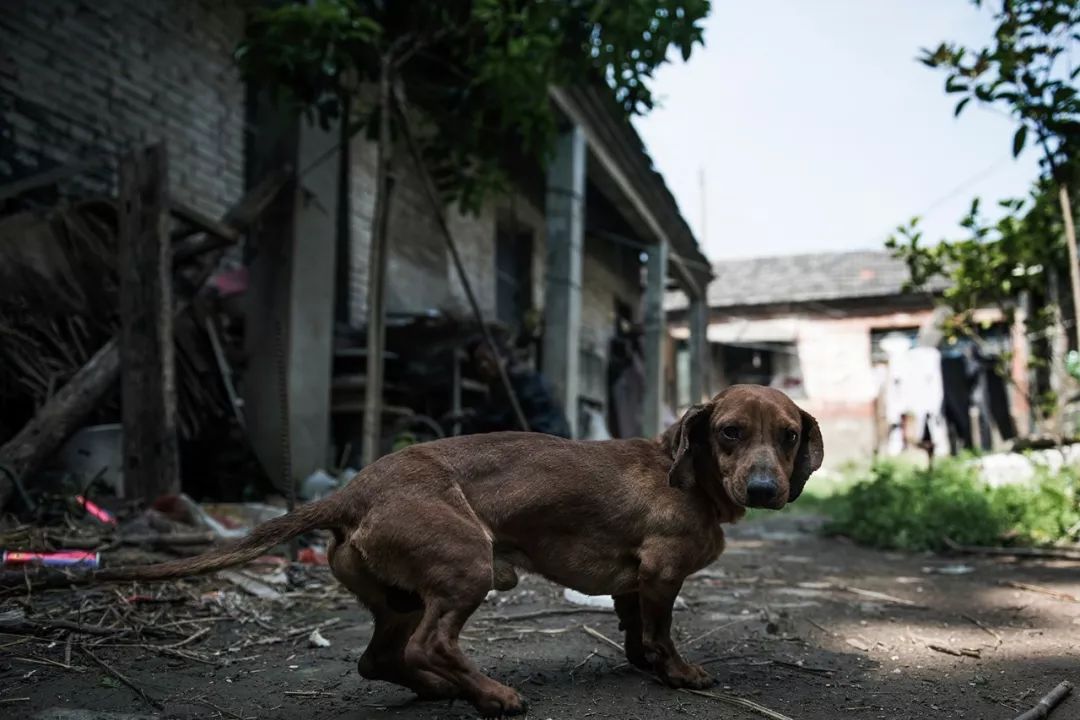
810 627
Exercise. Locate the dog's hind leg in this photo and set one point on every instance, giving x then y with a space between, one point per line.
447 560
396 614
434 647
384 658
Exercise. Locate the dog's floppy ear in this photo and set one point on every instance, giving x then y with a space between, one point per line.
811 453
679 438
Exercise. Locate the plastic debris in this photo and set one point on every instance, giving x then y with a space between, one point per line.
97 450
250 585
59 558
226 520
318 485
596 601
948 569
99 513
604 602
315 639
311 556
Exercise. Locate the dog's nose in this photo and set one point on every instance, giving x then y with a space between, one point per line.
761 489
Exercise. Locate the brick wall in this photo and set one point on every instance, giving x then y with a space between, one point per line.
79 77
421 275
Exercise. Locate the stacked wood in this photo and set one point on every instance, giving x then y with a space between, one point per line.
62 264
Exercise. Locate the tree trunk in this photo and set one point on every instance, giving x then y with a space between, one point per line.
1074 261
1057 345
58 418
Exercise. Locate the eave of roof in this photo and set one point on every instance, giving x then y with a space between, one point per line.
620 151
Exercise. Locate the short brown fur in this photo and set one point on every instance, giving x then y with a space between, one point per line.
423 534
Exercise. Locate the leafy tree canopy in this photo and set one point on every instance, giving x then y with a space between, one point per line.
476 71
1027 72
995 262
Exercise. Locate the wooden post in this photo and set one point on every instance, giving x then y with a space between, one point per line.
148 382
377 267
698 321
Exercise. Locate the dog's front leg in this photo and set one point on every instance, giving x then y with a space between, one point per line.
628 608
657 597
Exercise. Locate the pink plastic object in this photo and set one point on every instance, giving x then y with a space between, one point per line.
60 558
102 515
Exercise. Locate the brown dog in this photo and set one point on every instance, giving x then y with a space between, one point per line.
422 535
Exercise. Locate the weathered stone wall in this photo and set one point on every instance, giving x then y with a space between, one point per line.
80 78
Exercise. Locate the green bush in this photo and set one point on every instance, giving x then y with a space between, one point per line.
903 507
1043 513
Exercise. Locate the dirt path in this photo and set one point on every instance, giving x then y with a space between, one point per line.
783 619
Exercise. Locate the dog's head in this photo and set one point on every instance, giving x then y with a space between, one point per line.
751 443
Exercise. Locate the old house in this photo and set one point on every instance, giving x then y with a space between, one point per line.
590 244
815 326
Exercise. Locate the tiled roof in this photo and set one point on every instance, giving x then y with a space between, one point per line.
806 278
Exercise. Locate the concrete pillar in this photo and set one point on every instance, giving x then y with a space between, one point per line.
699 348
565 210
290 309
655 337
311 302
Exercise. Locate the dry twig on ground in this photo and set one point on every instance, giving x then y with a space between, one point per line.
723 697
1048 702
122 678
989 631
1059 553
1041 590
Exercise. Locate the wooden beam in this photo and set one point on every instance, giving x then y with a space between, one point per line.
238 219
49 177
148 381
699 349
199 223
61 416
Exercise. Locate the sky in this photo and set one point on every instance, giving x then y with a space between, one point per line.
816 129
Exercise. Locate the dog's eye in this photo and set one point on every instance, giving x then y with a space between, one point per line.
731 432
791 437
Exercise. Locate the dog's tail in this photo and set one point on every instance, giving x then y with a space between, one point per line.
324 514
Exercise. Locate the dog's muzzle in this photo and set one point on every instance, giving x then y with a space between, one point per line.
762 490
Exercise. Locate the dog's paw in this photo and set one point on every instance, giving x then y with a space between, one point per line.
435 689
689 676
503 702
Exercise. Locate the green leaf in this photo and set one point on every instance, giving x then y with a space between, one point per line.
953 86
960 106
1018 140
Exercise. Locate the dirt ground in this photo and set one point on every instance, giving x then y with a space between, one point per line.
786 618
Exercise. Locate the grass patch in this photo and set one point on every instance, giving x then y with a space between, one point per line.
899 506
